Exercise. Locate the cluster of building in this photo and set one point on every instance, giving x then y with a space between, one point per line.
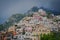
30 28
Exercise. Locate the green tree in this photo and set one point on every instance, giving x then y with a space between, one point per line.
51 36
49 15
1 27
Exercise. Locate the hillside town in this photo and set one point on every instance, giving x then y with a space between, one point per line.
30 28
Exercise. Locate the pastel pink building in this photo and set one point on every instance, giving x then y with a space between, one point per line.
36 15
28 29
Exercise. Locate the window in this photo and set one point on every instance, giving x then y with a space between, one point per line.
40 30
17 30
8 39
19 36
43 30
55 28
18 27
27 39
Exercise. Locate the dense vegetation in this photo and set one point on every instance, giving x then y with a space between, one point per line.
51 36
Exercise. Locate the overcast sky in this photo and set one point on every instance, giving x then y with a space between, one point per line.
9 7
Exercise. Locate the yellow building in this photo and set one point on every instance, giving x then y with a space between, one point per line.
11 29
